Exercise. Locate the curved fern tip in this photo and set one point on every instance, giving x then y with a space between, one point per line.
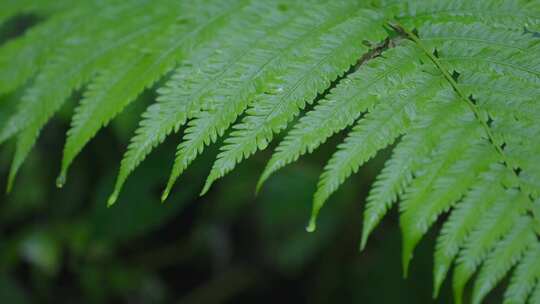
363 241
366 232
438 278
259 185
312 226
168 188
262 179
112 199
9 186
435 294
313 219
165 195
406 261
209 182
61 180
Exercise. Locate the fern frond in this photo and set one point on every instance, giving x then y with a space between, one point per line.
474 36
481 48
466 269
455 84
344 104
41 101
278 72
146 63
197 85
459 161
378 129
415 220
21 58
525 277
503 100
398 172
330 55
522 148
180 99
508 14
494 53
506 253
495 223
93 44
462 220
535 297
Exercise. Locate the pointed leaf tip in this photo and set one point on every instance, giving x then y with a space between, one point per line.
312 226
112 199
408 246
61 180
439 276
363 241
435 293
168 188
262 179
11 180
9 186
407 257
165 195
366 232
207 185
259 185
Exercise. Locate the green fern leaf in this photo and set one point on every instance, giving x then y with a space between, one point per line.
535 298
455 84
377 130
75 75
435 191
40 101
398 172
197 85
462 220
525 277
180 99
507 14
495 224
118 86
21 58
344 104
296 42
270 113
507 252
